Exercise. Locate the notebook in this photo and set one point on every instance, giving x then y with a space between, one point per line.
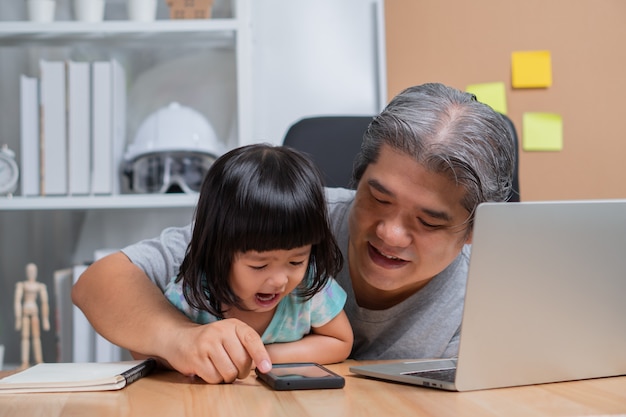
545 299
76 377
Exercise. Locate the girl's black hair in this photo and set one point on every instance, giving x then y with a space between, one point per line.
257 197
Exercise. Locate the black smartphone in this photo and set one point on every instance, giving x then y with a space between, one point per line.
301 375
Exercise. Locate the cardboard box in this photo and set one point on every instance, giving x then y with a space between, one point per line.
190 9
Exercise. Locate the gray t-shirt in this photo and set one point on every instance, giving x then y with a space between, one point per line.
425 325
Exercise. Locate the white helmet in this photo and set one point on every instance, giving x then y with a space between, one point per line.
175 128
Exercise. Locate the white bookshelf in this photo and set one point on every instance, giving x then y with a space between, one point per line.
23 31
58 231
232 33
122 201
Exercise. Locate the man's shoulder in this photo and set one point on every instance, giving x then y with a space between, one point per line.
339 201
339 195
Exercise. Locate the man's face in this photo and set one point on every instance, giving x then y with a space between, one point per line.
407 225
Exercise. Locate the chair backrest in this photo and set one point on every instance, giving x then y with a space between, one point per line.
332 142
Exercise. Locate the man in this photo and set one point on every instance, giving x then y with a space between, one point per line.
426 162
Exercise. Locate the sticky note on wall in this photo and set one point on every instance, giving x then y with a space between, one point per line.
492 94
531 69
542 132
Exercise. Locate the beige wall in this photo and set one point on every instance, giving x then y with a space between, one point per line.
460 42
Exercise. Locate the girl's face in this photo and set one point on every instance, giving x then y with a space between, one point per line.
262 279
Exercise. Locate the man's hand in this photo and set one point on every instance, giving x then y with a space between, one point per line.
218 352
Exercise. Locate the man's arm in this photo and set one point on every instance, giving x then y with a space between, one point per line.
125 307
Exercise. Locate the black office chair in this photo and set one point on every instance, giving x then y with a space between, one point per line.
333 142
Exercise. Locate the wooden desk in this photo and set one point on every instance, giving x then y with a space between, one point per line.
171 394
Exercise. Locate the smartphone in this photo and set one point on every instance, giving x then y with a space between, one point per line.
301 375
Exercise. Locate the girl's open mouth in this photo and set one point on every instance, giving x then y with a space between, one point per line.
266 300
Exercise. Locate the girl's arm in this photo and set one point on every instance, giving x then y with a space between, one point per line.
330 343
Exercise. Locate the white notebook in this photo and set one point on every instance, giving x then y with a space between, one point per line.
67 377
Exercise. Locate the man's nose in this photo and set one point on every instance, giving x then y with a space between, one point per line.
393 232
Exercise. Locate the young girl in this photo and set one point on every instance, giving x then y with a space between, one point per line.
262 252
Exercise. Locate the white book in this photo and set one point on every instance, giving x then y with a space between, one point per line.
84 336
63 279
54 132
29 135
76 377
118 86
102 128
79 127
104 350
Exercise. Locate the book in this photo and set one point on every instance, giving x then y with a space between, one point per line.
54 129
84 335
79 127
29 135
102 125
109 125
104 350
63 279
118 121
76 377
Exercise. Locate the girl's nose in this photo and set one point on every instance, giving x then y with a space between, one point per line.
279 279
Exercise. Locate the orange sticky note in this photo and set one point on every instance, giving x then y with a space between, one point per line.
492 94
542 132
531 69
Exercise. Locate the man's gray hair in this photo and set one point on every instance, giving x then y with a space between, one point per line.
448 132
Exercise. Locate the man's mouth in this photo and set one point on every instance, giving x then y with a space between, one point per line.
383 259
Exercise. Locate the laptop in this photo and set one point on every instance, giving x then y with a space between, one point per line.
545 300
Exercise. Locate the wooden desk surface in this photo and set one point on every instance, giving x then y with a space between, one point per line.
171 394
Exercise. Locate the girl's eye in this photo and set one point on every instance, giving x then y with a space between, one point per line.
297 263
257 267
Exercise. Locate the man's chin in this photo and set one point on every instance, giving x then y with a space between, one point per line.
382 279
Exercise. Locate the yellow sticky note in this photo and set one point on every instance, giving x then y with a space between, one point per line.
531 69
542 132
492 94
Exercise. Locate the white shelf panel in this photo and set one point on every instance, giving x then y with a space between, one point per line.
126 201
61 31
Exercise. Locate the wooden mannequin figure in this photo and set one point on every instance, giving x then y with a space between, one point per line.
27 314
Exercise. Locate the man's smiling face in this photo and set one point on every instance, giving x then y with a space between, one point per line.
407 224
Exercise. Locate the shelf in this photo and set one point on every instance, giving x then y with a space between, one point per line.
17 33
126 201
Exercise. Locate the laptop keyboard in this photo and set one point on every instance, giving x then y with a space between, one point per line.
446 374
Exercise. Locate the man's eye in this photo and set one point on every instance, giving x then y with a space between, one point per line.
380 200
430 225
